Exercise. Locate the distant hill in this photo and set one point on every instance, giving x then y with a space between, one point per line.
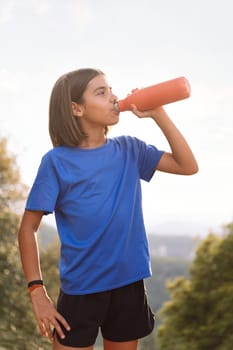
173 246
181 228
177 239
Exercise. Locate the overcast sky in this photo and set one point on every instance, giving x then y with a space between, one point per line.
136 43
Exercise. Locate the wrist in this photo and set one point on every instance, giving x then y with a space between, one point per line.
159 113
38 296
38 293
161 119
32 285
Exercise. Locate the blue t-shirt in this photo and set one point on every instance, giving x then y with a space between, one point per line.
96 197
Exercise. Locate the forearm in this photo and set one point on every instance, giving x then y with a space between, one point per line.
180 149
29 255
181 159
28 247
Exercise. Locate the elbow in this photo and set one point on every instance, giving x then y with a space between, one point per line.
193 172
193 169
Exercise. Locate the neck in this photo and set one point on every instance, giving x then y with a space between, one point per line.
93 142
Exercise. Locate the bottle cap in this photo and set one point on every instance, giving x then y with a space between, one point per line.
116 106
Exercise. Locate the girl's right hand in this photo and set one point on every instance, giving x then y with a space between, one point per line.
46 315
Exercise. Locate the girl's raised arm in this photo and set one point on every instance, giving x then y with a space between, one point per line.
181 159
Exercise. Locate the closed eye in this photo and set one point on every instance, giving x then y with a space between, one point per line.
103 90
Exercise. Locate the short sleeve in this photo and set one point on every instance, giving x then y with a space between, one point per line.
148 159
44 192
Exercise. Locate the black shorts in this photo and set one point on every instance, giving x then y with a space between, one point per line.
122 314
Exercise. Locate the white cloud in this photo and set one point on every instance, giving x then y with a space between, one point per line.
82 14
6 12
41 7
8 82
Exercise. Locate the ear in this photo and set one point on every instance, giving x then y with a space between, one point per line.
77 109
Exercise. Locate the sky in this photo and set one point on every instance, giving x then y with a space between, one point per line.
137 44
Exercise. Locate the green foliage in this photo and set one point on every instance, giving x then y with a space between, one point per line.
16 324
199 314
163 269
12 192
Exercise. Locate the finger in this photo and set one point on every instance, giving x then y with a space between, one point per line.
49 328
133 107
42 328
136 111
58 329
63 321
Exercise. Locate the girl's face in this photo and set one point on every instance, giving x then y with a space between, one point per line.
98 107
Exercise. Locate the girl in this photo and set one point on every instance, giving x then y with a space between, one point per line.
92 183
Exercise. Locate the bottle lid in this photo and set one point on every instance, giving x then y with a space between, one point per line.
116 106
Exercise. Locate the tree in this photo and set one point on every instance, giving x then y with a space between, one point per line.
18 332
199 314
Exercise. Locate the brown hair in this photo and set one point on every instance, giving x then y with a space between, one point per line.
64 128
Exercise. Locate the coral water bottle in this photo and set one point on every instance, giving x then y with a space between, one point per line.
156 95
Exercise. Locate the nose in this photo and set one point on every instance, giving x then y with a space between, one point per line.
114 98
